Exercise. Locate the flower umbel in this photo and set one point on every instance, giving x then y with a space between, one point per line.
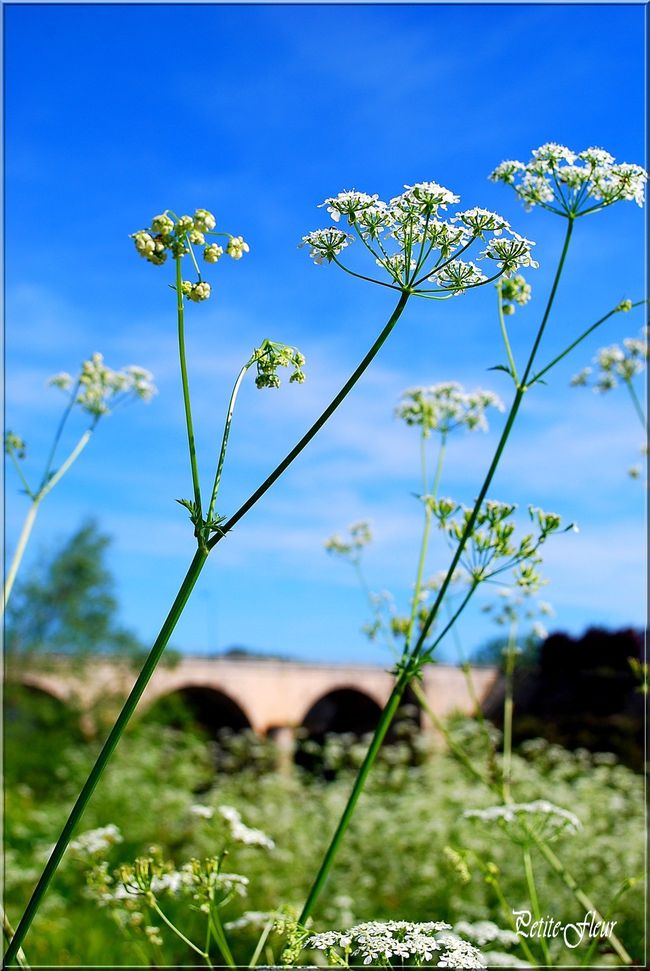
572 184
417 249
176 235
390 942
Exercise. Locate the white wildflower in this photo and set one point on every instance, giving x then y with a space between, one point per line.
203 812
325 244
97 840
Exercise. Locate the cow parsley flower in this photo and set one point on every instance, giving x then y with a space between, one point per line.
379 943
541 817
446 406
484 932
616 363
572 184
98 388
96 841
242 833
418 250
325 244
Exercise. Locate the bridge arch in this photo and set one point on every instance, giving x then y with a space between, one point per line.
209 708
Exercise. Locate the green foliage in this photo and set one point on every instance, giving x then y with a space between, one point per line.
394 863
67 605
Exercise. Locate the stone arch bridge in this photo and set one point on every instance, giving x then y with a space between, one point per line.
271 697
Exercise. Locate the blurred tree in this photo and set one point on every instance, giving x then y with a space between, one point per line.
66 605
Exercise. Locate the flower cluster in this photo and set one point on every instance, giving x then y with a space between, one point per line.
616 363
377 943
514 606
540 818
14 445
177 235
446 406
350 547
572 184
99 388
241 833
492 548
96 841
514 290
419 250
486 932
270 356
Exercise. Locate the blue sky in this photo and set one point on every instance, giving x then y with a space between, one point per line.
114 113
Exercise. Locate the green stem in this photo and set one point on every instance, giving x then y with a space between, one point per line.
224 440
637 404
459 753
508 914
385 720
63 468
176 931
20 472
506 340
268 927
109 746
186 388
220 936
32 512
318 424
19 551
569 881
577 341
59 432
9 932
534 900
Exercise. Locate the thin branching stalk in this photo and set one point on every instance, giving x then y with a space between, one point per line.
410 667
186 389
32 512
534 900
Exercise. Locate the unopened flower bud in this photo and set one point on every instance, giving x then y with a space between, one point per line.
162 224
204 220
212 253
237 247
199 292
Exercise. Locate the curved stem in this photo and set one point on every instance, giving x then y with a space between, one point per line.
109 747
186 389
176 931
406 673
224 440
318 424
